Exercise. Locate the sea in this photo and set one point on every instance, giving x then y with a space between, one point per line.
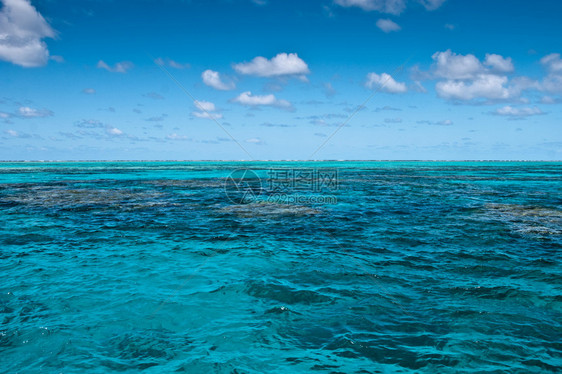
281 267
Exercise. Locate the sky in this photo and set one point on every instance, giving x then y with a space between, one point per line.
280 80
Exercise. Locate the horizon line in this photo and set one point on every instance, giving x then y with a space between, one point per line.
286 160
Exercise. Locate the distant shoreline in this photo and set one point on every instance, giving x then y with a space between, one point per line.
123 161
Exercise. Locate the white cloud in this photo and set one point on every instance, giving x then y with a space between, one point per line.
28 112
120 67
205 106
207 115
171 63
281 65
453 66
499 63
12 132
518 112
246 98
89 91
22 29
57 58
544 100
387 6
257 141
387 25
114 131
445 122
175 136
553 81
212 78
432 4
467 78
488 86
206 110
177 65
552 62
383 6
385 83
449 26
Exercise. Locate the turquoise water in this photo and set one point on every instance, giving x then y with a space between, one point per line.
414 267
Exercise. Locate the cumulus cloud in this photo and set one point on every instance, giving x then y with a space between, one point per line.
450 65
206 106
206 110
213 79
120 67
518 112
387 25
488 86
453 66
499 63
246 98
22 30
281 65
467 78
385 83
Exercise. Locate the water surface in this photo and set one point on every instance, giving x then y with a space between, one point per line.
416 267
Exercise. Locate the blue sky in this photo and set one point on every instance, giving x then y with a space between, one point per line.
280 79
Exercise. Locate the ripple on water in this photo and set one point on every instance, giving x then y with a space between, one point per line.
417 268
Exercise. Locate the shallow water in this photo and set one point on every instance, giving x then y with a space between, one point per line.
417 267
